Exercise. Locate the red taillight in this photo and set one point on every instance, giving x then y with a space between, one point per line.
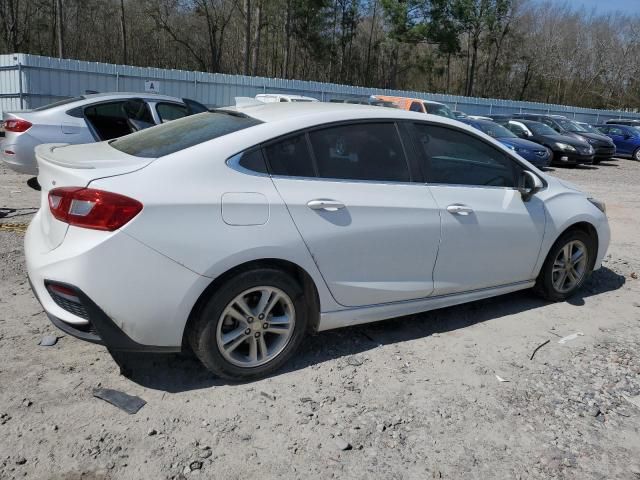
90 208
17 125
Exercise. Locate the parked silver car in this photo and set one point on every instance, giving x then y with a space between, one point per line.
85 119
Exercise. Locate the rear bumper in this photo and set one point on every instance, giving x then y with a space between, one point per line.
100 329
132 298
23 158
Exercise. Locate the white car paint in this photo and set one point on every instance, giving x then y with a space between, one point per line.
394 249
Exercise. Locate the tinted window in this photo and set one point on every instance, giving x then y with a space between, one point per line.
171 111
415 107
454 157
182 133
360 152
290 157
494 130
253 160
540 128
515 128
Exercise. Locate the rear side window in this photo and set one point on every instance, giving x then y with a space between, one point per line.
183 133
171 111
360 152
457 158
290 157
415 107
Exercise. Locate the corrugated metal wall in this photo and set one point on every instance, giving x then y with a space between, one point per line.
30 81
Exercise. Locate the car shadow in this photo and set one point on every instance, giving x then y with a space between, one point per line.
182 372
609 163
585 167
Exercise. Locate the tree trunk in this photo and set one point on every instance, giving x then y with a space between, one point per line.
472 72
247 36
124 33
287 41
367 74
59 28
257 38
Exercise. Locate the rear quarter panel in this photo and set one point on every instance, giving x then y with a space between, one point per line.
182 217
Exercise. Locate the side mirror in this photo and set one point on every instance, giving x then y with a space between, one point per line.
530 185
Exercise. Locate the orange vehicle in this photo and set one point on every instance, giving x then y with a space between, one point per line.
417 105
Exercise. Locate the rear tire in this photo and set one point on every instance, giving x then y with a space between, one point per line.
251 325
559 279
636 155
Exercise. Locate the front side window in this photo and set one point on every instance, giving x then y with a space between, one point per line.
540 128
457 158
415 107
517 128
290 157
171 111
360 151
616 131
441 110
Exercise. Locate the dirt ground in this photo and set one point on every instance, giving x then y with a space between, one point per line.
415 397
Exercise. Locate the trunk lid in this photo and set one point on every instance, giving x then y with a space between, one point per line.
63 165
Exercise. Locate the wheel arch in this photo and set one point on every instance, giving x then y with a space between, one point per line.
310 290
583 226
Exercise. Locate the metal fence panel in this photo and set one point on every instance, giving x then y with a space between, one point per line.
30 81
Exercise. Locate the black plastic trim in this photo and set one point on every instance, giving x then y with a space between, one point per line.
108 333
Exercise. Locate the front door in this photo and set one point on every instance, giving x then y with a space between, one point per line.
490 236
372 232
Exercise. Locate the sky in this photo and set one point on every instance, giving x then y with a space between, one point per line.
604 6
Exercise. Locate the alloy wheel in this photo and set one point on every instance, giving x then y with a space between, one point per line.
256 326
570 266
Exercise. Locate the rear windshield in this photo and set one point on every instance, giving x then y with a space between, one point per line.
182 133
66 101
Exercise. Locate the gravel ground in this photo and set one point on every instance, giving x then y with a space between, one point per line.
411 398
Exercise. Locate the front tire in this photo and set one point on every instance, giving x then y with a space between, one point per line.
251 325
636 155
567 266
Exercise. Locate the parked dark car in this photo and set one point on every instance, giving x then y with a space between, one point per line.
604 147
626 138
532 152
566 150
622 121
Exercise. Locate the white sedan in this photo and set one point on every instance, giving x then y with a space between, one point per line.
239 231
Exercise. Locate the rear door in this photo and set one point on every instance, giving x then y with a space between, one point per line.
372 232
490 236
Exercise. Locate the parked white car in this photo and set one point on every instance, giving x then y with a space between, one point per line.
285 98
85 119
239 231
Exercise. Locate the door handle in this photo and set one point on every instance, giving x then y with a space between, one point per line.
459 209
327 205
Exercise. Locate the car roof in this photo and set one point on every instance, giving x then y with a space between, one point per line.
326 112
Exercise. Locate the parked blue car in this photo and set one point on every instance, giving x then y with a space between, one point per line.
532 152
626 138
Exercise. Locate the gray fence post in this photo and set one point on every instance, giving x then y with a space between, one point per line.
20 96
